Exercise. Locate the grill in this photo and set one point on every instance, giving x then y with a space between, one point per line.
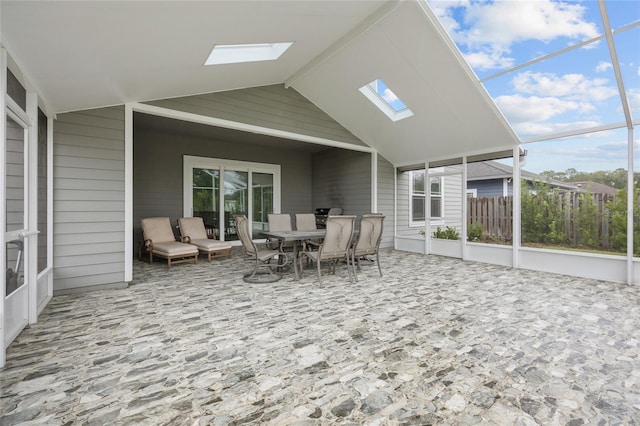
323 213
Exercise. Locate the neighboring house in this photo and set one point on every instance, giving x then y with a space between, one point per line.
594 187
494 179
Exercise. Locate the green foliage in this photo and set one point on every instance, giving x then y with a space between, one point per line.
542 214
587 217
614 178
618 212
448 233
474 231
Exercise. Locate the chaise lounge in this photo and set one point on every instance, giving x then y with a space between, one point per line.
159 241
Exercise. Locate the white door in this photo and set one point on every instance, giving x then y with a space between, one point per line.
16 234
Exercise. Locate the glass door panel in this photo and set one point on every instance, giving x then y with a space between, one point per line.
262 196
236 200
206 196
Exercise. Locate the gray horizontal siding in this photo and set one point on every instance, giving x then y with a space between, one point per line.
385 199
158 164
342 178
402 221
89 200
272 107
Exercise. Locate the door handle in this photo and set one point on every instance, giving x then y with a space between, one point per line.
27 233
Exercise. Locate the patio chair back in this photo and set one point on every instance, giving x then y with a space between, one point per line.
279 222
157 229
306 222
337 239
368 243
370 234
193 227
242 227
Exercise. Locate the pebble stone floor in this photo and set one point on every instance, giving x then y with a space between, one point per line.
434 341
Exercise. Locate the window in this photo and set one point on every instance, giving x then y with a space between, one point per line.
436 197
386 101
238 53
418 197
217 189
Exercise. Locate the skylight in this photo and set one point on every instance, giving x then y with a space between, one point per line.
237 53
387 101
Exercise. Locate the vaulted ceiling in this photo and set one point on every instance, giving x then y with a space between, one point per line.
89 54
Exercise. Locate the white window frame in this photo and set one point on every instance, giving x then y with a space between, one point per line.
427 181
192 162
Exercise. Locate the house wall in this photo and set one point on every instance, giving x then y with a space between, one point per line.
385 195
158 181
487 188
88 199
452 202
452 205
342 178
402 194
274 107
89 174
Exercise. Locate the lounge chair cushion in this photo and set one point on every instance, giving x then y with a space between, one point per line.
211 245
174 248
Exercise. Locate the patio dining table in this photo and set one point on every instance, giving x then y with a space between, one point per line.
296 236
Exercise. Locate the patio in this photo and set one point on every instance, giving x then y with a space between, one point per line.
435 341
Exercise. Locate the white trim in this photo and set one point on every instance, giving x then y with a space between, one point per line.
235 125
516 219
3 200
577 132
465 213
190 162
31 195
472 191
128 193
374 182
380 103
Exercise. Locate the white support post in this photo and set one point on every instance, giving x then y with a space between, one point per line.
128 193
516 208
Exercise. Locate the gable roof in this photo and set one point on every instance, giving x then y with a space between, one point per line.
86 54
594 187
485 170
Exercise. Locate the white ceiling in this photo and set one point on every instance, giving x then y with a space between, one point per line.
88 54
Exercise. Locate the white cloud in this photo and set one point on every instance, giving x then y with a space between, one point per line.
491 28
603 66
488 60
534 129
633 96
570 86
520 109
389 96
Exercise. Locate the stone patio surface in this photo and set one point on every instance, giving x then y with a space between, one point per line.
434 341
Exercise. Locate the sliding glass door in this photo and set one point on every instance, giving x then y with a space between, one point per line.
217 189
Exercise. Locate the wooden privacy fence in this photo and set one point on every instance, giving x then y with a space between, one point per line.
495 214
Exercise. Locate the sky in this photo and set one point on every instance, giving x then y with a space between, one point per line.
574 90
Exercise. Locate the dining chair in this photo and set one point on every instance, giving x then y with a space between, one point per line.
335 246
261 256
280 222
368 242
193 231
306 222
